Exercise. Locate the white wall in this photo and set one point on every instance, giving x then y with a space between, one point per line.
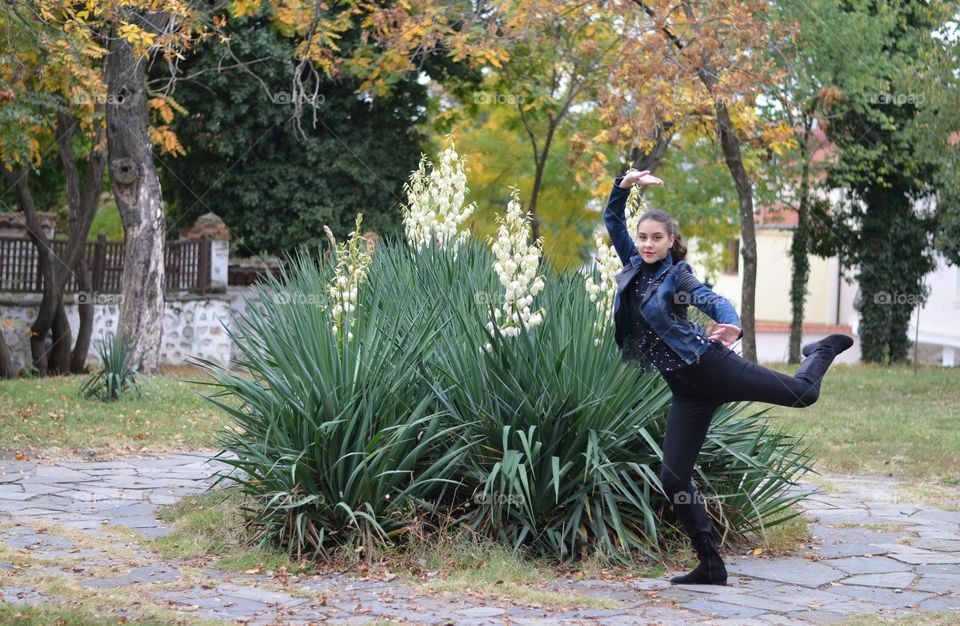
940 314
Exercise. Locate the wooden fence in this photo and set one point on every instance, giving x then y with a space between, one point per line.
186 263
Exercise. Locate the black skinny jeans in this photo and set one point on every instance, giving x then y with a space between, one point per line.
698 390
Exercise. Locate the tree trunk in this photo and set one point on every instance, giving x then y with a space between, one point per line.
59 358
47 310
748 239
534 194
6 361
652 159
83 200
799 255
136 189
78 360
889 229
540 163
82 203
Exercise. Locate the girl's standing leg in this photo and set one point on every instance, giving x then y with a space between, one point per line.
687 423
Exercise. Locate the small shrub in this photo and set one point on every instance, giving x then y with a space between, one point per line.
118 373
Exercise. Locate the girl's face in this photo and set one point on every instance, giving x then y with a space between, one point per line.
653 242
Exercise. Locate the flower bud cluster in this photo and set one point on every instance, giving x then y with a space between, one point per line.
353 258
516 265
602 293
636 206
435 206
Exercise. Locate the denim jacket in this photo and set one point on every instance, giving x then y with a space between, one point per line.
674 287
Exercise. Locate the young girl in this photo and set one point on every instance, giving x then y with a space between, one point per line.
651 327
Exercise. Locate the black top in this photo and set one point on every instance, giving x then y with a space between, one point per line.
642 345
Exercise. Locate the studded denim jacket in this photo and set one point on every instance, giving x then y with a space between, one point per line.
673 289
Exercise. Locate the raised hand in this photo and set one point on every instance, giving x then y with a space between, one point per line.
638 177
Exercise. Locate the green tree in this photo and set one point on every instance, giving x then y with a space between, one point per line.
884 173
497 151
273 188
935 131
834 60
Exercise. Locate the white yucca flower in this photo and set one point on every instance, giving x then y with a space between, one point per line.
435 206
353 258
636 206
602 293
516 265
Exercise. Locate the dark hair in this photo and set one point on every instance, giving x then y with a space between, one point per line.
679 250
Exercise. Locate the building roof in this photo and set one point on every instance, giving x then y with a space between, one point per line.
48 219
781 214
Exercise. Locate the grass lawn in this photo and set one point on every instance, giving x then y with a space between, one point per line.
882 420
871 420
46 413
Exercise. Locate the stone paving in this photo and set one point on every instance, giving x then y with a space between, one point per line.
872 552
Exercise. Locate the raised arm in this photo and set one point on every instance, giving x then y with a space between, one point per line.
616 222
613 215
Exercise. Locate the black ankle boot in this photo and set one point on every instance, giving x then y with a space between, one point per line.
711 570
837 342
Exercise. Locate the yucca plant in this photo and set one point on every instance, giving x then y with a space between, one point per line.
568 454
117 375
565 462
562 427
746 468
337 437
548 443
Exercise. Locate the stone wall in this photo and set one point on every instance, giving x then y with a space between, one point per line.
193 326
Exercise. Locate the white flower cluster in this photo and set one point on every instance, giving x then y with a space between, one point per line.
435 202
602 293
353 258
636 206
516 267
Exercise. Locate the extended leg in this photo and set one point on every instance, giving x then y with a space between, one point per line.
726 377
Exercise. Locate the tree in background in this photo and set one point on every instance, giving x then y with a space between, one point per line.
245 161
935 132
497 152
819 59
705 59
51 71
112 43
560 56
134 35
885 173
